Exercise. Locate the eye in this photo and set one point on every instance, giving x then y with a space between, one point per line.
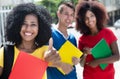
34 25
92 15
24 24
65 13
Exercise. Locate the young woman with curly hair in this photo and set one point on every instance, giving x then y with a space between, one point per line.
91 19
28 29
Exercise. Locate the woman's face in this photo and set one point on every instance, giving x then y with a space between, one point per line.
29 28
90 19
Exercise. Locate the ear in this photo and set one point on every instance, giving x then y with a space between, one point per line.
58 14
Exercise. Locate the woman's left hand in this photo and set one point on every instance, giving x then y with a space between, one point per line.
92 63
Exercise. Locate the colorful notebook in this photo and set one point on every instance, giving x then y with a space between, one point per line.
101 50
28 67
67 51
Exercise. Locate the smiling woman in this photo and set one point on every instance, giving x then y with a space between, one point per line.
29 29
91 18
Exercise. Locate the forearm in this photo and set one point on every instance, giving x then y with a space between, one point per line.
66 68
108 60
55 64
1 69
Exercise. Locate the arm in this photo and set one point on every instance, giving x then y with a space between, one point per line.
1 69
115 56
54 61
1 61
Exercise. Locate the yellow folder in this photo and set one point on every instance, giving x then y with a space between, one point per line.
67 51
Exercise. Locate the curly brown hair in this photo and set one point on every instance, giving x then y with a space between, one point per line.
97 8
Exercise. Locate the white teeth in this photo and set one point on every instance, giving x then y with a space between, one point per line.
91 23
28 34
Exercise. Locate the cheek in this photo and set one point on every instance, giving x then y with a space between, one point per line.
22 29
86 22
36 30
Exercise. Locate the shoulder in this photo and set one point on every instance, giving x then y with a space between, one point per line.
71 35
54 30
107 30
1 56
43 48
109 35
83 37
1 49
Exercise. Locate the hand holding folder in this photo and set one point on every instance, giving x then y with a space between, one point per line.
67 51
101 50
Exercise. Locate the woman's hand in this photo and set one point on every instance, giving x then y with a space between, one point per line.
83 60
51 55
87 50
93 63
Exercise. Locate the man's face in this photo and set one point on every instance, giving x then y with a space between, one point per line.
66 16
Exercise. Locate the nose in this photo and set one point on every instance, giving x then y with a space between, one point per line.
69 16
28 27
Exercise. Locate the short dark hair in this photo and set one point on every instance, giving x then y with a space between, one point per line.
97 8
16 18
66 3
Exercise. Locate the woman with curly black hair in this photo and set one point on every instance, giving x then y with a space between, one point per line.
28 29
91 18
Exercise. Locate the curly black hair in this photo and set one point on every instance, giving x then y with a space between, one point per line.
97 8
16 18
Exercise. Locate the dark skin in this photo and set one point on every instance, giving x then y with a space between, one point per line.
111 59
90 21
1 69
54 58
51 56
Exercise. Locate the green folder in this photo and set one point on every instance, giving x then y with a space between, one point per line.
101 50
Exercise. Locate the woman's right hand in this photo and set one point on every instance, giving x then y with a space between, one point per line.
87 50
51 55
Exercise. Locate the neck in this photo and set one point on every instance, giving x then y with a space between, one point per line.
62 29
94 31
27 47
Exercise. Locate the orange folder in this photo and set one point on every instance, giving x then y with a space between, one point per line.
28 67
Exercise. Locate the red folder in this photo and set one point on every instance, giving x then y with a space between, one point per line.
28 67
